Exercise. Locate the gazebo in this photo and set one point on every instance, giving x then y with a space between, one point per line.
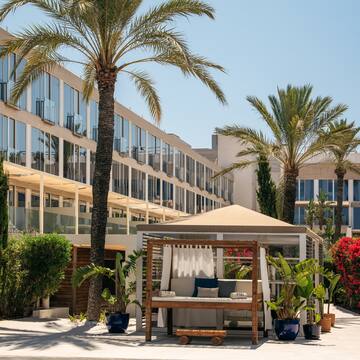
229 227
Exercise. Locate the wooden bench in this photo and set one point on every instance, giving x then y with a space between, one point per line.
186 335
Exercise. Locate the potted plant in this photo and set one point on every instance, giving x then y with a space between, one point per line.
325 321
312 329
117 319
288 305
330 285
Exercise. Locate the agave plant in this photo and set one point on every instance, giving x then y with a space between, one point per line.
124 288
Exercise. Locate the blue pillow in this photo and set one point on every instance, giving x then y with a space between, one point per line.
226 287
205 283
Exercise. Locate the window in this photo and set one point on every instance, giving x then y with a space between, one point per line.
327 187
179 199
356 221
190 202
299 215
209 204
305 190
200 204
138 183
154 189
179 165
17 142
356 188
168 159
121 135
190 170
168 194
44 152
120 178
154 148
208 180
74 110
4 136
138 138
224 188
8 78
46 97
230 190
200 170
217 188
94 120
74 162
92 166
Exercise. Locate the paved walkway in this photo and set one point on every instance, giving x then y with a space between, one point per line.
58 339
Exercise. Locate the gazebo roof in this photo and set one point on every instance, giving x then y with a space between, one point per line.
234 219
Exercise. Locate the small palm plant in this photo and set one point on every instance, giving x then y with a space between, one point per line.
124 288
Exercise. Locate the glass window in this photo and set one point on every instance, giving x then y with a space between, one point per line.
345 216
305 190
190 170
92 166
45 94
327 187
224 188
120 178
179 165
74 111
190 202
138 149
17 142
200 204
356 189
74 162
37 149
209 204
356 221
230 190
299 215
200 175
217 188
154 189
168 194
4 136
121 135
179 199
168 159
154 148
208 180
138 183
94 120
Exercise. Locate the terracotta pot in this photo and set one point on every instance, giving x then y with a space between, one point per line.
325 323
332 317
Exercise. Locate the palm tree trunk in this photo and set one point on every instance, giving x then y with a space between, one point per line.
339 201
290 177
106 85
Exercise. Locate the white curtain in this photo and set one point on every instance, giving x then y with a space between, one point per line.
265 287
189 261
165 280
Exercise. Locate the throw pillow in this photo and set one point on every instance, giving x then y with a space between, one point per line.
226 287
205 283
208 292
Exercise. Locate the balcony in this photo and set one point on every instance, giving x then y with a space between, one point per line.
46 110
74 122
6 88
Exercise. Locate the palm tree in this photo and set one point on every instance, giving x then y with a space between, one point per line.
346 142
296 121
110 38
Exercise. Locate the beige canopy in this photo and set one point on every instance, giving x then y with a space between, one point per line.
230 219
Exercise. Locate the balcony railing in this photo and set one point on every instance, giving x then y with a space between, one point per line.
5 90
74 122
46 109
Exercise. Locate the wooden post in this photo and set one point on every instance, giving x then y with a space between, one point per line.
148 308
254 305
74 266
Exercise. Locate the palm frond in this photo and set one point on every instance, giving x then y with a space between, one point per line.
86 272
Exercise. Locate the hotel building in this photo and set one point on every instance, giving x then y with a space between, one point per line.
48 139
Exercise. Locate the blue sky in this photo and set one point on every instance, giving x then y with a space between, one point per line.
262 44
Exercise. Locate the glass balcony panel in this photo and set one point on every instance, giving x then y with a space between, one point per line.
46 109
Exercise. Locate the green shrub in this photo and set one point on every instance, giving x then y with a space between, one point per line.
31 267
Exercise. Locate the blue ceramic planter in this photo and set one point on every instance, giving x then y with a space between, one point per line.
287 329
117 322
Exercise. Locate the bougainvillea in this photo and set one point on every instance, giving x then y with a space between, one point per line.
346 255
